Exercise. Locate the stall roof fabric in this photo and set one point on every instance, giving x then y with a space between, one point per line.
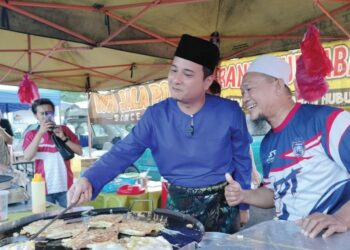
102 45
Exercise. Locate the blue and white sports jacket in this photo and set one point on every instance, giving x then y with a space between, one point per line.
306 161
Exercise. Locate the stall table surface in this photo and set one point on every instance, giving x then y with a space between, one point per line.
273 235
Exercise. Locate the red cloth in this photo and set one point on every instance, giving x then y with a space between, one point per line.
312 67
28 91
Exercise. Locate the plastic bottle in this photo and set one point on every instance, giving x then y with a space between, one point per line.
38 194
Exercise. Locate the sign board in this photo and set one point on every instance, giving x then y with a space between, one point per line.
127 105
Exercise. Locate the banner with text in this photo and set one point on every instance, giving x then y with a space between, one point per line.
127 105
230 73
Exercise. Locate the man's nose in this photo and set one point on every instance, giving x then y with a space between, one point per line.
245 98
177 78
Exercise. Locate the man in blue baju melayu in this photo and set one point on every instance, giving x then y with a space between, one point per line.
195 139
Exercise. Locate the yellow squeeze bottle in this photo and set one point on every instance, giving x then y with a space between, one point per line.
38 194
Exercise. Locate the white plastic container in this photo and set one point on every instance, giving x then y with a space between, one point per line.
3 204
38 194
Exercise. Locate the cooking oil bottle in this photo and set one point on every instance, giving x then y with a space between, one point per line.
38 194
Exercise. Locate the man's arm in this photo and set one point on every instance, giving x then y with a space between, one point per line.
31 148
329 224
6 131
71 140
7 138
261 197
337 147
240 148
115 161
76 148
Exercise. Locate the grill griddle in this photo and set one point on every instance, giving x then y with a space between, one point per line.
180 229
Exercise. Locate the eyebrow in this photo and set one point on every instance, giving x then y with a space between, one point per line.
189 71
185 70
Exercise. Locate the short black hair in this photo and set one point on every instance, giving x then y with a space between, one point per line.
207 72
41 101
215 88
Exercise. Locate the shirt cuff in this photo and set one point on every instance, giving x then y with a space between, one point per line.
243 206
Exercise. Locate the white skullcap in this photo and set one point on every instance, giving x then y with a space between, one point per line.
272 66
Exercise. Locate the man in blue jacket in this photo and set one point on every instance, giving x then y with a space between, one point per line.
305 155
195 139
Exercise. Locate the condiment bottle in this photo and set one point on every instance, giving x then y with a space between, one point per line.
38 194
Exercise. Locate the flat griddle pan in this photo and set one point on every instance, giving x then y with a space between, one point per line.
180 229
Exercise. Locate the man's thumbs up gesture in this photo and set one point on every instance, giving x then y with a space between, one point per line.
233 191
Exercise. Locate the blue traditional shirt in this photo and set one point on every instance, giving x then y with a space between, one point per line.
190 151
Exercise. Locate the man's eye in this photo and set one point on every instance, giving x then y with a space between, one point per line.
188 75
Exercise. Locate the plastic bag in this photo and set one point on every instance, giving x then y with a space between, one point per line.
314 56
312 67
309 87
27 91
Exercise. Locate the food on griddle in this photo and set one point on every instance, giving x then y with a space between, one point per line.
139 228
102 231
105 220
65 231
146 243
58 230
27 245
34 227
92 237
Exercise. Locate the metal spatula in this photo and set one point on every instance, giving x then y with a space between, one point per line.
34 236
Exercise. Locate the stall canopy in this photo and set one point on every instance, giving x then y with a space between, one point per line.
88 45
9 101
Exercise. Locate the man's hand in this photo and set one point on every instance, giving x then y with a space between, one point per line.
2 131
233 191
59 133
81 191
46 126
244 217
316 223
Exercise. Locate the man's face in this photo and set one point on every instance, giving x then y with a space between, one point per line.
40 112
258 95
186 83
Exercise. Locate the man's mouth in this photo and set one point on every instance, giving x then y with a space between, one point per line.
176 89
251 106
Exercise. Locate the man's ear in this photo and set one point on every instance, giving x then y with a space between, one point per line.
279 86
208 81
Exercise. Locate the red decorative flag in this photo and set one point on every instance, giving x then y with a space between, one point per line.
312 67
27 91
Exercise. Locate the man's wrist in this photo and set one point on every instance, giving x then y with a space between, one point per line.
244 196
65 140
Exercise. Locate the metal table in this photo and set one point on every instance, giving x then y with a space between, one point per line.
273 235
